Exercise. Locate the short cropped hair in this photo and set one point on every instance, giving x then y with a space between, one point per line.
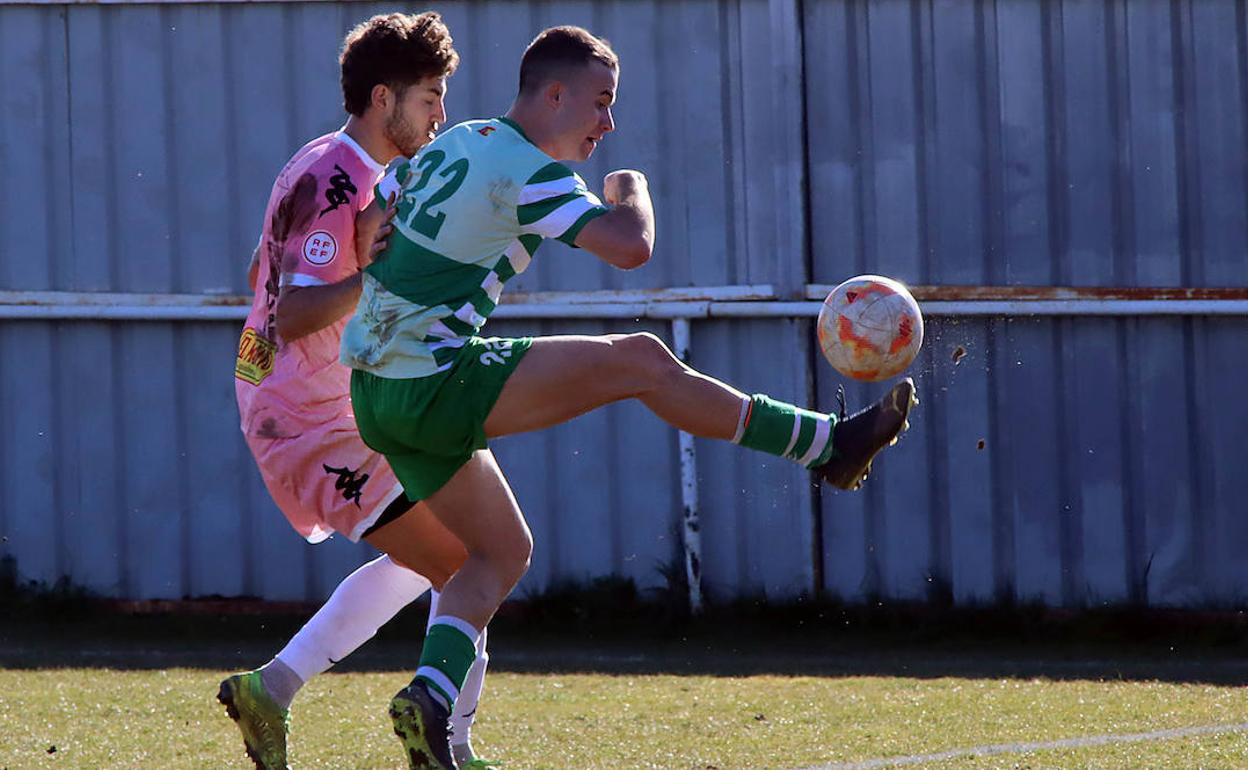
397 50
559 49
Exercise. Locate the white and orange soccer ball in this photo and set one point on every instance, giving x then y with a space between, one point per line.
870 328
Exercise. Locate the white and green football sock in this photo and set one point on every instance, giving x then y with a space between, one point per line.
449 651
786 431
465 712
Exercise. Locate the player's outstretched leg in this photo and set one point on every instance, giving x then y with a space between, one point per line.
263 722
562 377
859 438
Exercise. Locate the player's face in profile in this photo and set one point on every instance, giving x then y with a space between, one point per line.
585 110
417 115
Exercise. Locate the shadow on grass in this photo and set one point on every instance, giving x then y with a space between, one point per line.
608 626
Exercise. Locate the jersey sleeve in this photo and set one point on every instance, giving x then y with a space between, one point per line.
393 180
319 246
555 203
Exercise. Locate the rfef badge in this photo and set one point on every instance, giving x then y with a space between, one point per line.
320 248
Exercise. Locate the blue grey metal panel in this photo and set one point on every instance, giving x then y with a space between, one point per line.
1028 142
1057 143
756 510
179 116
1107 473
34 147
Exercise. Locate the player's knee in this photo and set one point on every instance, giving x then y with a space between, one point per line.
648 356
518 556
524 553
438 576
513 551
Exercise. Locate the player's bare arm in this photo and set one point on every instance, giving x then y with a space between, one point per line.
253 270
302 310
624 236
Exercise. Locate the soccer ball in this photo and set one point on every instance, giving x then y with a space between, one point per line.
870 328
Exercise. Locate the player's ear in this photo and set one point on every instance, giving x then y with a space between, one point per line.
381 97
555 94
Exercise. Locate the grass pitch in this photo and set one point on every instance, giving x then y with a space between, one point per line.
101 717
632 688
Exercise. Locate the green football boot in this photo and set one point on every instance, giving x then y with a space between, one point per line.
264 724
466 758
422 724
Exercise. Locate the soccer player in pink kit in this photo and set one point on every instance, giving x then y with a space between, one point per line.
294 395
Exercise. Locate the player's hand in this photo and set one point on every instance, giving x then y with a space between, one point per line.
372 231
621 185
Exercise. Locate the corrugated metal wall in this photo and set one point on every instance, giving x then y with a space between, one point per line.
1027 142
1043 143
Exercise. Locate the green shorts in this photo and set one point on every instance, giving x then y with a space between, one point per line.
428 427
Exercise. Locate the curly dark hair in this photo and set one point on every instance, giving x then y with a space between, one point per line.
397 50
558 49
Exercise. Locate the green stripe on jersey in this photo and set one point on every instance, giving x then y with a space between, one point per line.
550 173
569 237
533 212
504 269
482 303
425 277
461 328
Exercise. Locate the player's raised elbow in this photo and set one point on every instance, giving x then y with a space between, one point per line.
633 255
623 238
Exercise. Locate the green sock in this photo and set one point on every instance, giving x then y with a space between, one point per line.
446 657
788 431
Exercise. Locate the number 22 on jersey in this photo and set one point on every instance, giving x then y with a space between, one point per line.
425 219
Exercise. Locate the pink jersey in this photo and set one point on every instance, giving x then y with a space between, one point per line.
286 388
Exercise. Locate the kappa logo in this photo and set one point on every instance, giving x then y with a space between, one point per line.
348 483
320 247
336 194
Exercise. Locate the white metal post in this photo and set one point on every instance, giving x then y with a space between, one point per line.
689 486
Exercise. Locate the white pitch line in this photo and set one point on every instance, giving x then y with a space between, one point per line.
1015 748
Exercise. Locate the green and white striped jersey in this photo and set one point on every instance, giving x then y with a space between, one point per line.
473 205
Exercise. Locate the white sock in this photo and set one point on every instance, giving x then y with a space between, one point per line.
280 682
361 604
465 711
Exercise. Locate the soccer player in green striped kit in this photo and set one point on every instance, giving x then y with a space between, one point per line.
472 207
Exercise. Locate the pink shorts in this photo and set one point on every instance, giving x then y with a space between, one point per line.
326 479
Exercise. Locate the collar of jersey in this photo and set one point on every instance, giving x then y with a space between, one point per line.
367 159
516 127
